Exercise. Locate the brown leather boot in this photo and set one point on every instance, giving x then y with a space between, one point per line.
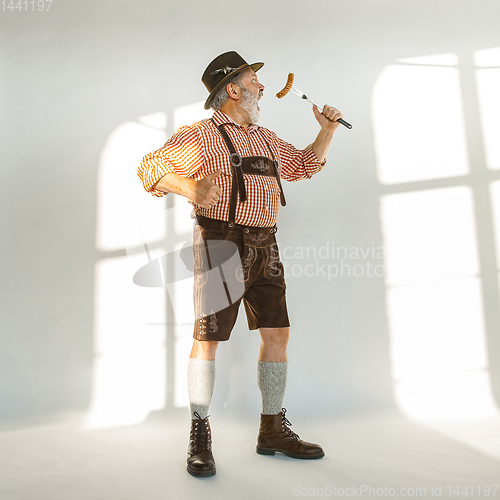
200 461
275 435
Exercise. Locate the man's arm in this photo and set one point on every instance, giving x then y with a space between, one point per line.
181 155
296 164
328 122
203 192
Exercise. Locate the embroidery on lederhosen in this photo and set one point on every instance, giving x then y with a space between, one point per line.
200 272
197 257
212 321
273 265
258 238
260 165
200 279
242 273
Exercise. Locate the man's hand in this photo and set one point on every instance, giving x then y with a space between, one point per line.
204 192
328 118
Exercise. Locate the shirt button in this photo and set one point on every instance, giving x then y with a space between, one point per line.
247 230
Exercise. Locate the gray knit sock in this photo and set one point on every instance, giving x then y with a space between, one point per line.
271 378
201 380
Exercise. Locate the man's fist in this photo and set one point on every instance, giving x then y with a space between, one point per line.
206 193
328 117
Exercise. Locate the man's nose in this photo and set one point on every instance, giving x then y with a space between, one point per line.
261 87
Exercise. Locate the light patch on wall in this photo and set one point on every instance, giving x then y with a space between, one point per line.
434 305
433 60
434 285
419 124
183 344
457 397
429 235
129 333
487 58
438 325
154 120
129 377
169 271
119 191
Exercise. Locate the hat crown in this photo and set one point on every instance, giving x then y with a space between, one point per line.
220 67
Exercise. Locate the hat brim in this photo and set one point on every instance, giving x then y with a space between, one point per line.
254 66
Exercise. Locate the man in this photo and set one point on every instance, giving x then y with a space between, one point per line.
229 168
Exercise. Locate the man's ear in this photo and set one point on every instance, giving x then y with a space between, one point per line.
233 90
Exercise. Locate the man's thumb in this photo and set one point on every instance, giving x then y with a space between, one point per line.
213 176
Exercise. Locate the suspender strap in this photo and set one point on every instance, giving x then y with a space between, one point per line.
277 172
236 162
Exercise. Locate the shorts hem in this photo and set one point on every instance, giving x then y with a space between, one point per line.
262 326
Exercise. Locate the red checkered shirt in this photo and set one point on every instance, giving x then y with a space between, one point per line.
198 150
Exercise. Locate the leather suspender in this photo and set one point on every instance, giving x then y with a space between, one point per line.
236 162
277 173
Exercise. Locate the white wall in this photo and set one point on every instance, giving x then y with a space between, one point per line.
71 76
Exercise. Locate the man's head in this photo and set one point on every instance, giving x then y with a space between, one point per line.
222 70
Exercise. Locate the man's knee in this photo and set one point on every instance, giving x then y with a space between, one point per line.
204 349
275 336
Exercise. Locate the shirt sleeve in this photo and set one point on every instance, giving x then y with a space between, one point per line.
182 154
297 164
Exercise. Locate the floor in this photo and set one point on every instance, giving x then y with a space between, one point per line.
366 456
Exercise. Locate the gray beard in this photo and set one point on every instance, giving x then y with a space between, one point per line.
250 104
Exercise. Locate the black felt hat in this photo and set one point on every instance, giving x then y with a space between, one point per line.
222 69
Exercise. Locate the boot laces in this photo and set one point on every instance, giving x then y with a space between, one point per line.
286 424
200 432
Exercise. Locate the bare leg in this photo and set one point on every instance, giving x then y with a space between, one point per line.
204 349
273 344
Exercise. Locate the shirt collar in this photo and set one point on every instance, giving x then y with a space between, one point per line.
221 118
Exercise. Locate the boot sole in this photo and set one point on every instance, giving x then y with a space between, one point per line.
272 451
203 473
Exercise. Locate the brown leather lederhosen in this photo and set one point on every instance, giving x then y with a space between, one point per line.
257 277
255 165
